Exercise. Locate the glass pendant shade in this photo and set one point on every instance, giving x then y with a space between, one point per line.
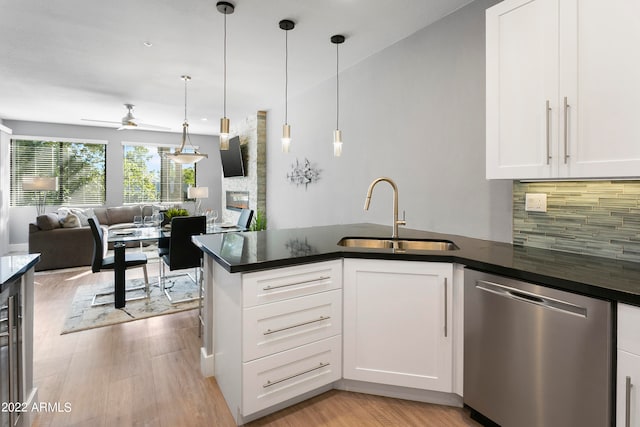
337 143
224 133
286 138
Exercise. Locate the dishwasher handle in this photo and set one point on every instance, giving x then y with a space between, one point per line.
519 295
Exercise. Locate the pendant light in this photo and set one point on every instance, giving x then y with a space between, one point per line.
225 8
286 25
178 156
337 134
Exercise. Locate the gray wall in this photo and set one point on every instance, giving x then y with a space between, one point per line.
208 170
414 112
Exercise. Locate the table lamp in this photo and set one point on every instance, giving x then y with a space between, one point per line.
198 193
41 184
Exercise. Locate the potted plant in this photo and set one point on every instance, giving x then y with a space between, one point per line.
173 212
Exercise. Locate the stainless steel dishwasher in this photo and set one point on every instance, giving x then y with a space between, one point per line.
535 356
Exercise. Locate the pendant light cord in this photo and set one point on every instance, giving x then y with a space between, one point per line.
224 106
337 89
185 99
286 76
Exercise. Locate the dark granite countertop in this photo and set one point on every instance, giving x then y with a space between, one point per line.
593 276
14 266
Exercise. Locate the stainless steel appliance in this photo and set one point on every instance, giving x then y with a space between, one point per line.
10 355
535 356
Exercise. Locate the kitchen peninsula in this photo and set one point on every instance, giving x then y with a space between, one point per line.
276 302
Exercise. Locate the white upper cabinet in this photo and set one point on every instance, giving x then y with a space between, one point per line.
562 89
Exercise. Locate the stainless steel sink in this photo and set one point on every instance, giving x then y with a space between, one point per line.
401 244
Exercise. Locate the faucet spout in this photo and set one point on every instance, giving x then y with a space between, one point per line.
367 201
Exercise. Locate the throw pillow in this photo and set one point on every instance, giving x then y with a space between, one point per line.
71 221
48 221
82 215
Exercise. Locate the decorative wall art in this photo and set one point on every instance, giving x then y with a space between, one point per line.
303 174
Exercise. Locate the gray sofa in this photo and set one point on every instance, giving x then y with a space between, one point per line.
67 246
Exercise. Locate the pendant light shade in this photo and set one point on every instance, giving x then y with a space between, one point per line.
225 8
178 156
286 25
337 134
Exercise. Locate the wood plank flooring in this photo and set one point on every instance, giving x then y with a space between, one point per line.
147 373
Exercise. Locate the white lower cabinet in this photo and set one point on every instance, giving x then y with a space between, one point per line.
398 323
628 370
278 335
288 374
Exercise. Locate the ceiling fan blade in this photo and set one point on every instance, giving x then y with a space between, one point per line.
101 121
155 127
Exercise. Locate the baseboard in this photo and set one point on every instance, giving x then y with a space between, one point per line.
207 363
407 393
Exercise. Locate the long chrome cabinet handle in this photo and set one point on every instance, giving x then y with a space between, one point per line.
627 399
320 366
547 113
517 294
308 322
445 308
566 129
269 288
12 352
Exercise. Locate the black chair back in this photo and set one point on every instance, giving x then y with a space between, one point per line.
182 252
244 221
98 245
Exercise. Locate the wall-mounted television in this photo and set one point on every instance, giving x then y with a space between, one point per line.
232 164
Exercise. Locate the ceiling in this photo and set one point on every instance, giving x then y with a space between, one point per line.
65 60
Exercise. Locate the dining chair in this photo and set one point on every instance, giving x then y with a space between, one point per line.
182 253
101 262
244 220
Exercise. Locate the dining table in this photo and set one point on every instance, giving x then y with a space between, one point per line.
120 238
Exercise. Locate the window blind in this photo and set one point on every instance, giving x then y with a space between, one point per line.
149 176
80 169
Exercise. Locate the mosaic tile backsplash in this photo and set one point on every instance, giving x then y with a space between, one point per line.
600 218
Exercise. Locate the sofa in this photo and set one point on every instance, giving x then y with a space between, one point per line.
64 238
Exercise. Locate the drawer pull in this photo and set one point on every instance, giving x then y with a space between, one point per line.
320 366
269 288
308 322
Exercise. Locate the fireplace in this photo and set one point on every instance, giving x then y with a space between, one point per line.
237 200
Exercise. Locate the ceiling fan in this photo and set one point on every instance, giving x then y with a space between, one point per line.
130 122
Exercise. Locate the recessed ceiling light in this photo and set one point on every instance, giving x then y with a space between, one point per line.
204 119
148 44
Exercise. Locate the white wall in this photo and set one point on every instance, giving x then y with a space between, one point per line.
414 112
208 170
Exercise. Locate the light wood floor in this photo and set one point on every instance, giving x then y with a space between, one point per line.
146 373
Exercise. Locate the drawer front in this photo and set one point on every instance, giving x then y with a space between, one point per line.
290 282
628 331
270 328
274 379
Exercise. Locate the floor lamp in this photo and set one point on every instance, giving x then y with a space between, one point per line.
42 185
198 193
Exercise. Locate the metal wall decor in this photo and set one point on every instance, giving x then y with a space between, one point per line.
303 174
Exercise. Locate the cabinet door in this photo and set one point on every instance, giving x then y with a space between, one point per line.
602 85
398 323
627 393
522 89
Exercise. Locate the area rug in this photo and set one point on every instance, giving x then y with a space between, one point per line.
82 316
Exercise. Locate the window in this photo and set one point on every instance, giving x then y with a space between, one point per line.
79 166
150 177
